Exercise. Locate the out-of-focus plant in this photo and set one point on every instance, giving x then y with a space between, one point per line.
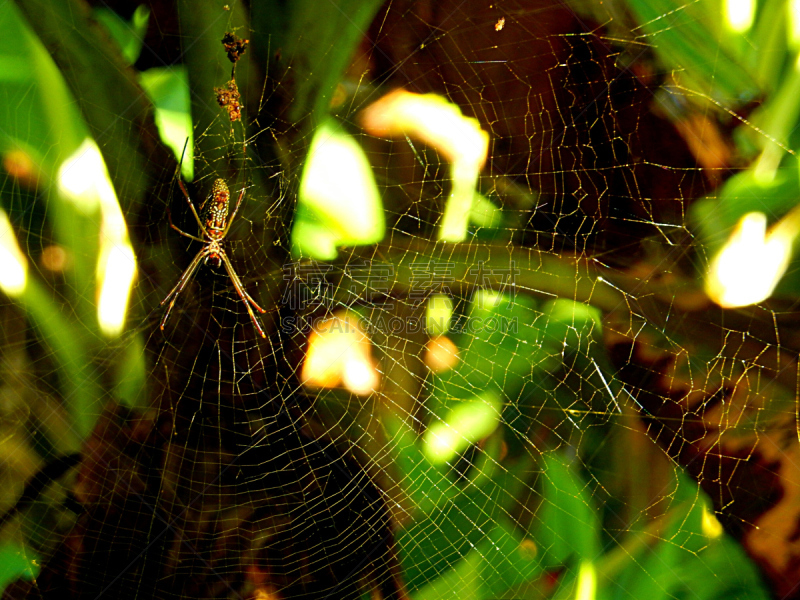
338 203
55 173
463 465
748 227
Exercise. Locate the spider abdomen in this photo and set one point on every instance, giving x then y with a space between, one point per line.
216 215
214 260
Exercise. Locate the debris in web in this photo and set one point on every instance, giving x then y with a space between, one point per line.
234 46
228 98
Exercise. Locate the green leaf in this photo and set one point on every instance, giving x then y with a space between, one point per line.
101 88
498 563
168 89
131 379
566 526
432 543
448 519
686 40
129 35
572 325
16 562
318 39
338 202
54 139
484 213
500 350
688 557
427 486
464 424
714 217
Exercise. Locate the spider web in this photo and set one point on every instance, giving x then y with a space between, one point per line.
593 388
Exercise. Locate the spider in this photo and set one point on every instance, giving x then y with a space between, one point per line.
214 231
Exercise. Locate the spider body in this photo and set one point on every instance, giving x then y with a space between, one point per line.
215 218
216 213
214 227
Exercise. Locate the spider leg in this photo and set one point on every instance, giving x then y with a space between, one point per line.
187 275
233 215
194 211
236 280
224 233
253 302
242 293
183 233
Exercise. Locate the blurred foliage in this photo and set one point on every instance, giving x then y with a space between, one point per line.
338 203
755 48
16 562
467 472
